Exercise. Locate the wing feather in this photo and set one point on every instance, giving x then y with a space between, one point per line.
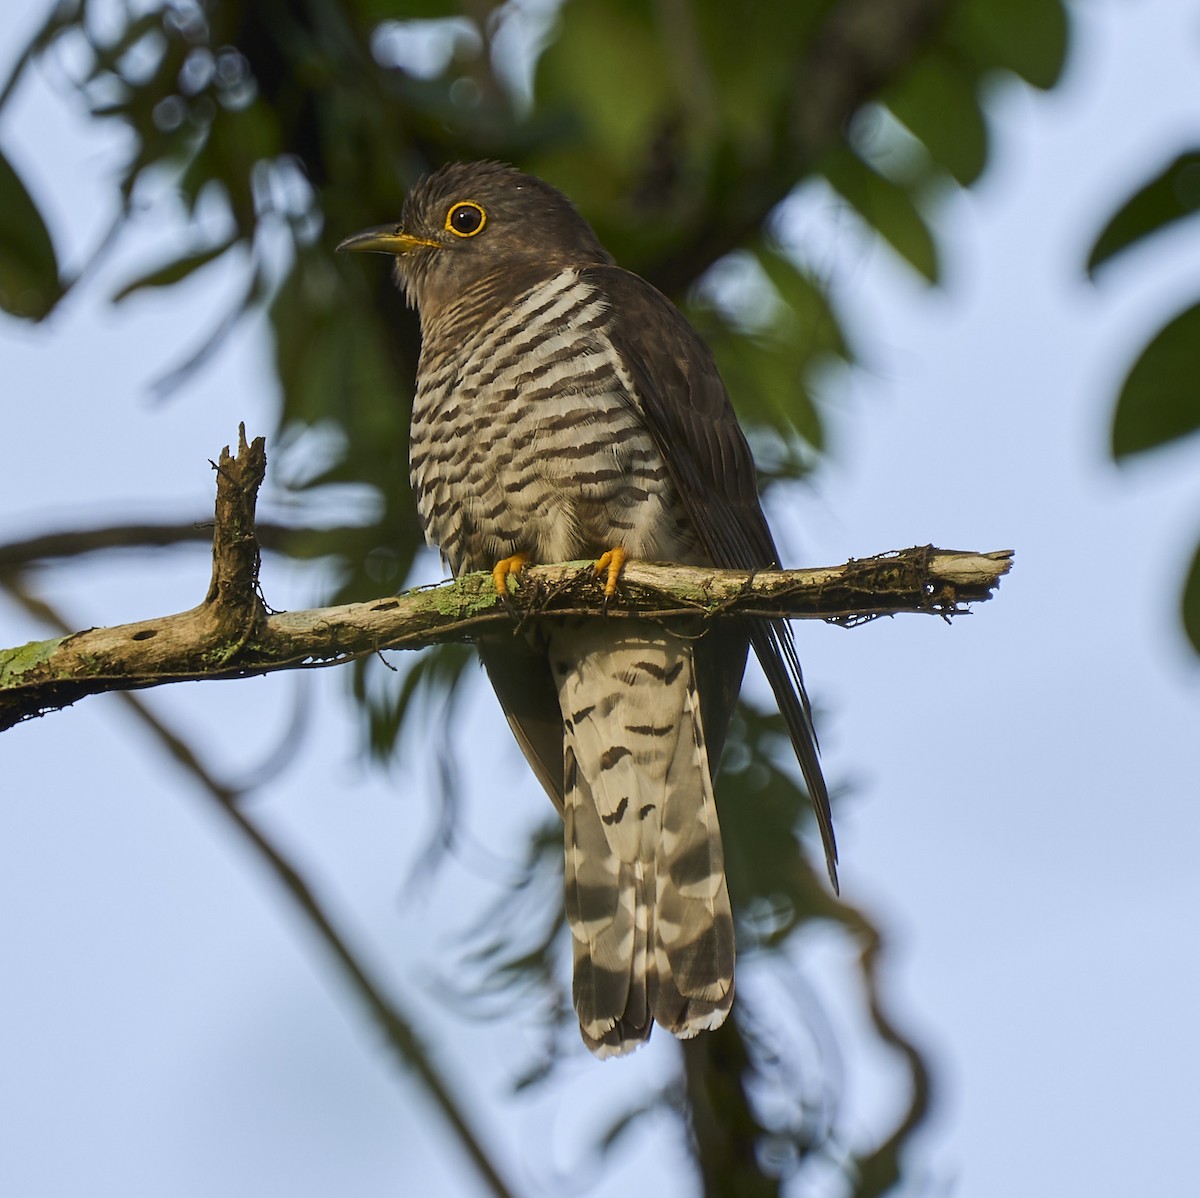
687 411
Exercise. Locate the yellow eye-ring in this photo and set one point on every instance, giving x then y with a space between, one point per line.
466 219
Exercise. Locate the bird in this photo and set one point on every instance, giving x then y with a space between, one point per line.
565 410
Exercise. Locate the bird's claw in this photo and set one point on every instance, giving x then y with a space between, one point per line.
611 562
505 569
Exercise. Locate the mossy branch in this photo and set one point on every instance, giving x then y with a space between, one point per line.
231 634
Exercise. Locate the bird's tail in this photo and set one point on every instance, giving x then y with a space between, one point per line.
646 899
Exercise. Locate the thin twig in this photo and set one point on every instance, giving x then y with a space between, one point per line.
397 1027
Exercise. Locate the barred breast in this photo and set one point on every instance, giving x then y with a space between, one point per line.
527 438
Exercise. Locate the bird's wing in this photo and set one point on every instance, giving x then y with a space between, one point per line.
687 411
520 675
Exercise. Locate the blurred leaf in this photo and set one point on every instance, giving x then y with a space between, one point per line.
516 949
173 272
1160 398
629 1119
108 53
374 11
771 881
747 100
810 322
1170 196
1027 37
344 370
768 388
767 366
937 102
63 15
432 678
604 70
253 295
1191 602
887 208
234 144
29 282
332 355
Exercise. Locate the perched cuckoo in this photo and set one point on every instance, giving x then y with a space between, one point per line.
565 409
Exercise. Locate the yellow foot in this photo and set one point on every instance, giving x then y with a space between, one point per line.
504 569
611 561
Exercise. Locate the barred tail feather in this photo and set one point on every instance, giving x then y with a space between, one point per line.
605 905
693 918
646 898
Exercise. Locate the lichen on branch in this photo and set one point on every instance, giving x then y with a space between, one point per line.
231 633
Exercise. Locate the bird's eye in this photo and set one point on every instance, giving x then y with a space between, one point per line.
466 219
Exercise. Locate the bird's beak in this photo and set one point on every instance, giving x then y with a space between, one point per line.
384 239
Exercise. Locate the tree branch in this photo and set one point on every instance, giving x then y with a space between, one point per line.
859 49
231 634
18 556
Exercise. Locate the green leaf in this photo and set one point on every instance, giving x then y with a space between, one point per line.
771 880
887 207
332 357
811 324
173 272
1027 37
1160 398
1191 602
936 102
713 71
767 356
767 385
604 71
1170 196
29 281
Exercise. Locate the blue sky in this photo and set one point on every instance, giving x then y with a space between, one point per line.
1025 817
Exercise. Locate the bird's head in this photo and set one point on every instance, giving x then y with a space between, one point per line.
476 220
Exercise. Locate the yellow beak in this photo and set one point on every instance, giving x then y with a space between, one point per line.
384 239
